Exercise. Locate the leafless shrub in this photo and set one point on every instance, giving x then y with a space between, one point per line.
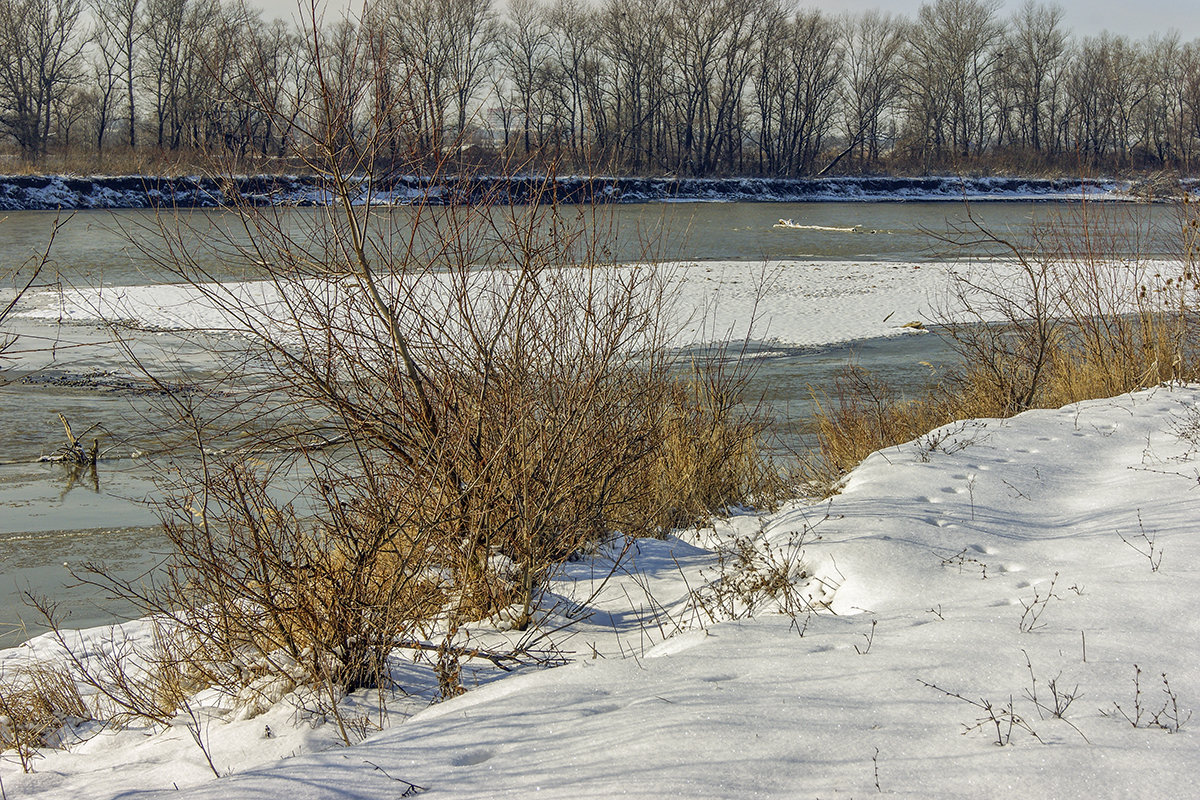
1144 544
1074 311
1169 717
424 411
1067 311
870 640
754 574
1187 427
948 439
1060 699
1036 606
1001 719
963 562
130 680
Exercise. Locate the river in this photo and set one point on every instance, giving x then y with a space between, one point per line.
53 516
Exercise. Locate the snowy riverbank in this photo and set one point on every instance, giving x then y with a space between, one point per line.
1049 556
71 192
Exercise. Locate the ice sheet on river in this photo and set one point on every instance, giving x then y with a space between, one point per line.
798 303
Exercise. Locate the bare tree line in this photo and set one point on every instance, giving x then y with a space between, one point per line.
688 87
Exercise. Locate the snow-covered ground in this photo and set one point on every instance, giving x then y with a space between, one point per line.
962 587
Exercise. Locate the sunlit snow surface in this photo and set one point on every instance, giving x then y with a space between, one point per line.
937 546
788 302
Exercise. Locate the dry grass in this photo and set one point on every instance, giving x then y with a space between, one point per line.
1076 315
708 456
36 701
863 414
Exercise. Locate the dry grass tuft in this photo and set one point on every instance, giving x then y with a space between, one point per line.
708 457
36 701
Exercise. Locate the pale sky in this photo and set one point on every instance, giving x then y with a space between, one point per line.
1136 18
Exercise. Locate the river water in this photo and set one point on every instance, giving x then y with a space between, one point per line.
53 516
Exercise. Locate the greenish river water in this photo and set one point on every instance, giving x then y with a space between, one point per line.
53 516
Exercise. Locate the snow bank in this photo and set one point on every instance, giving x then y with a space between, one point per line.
998 561
787 303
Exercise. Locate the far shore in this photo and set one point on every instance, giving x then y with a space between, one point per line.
71 192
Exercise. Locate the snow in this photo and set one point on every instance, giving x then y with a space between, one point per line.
64 192
919 574
798 303
842 301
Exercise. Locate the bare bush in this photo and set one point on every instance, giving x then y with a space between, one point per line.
422 411
1036 606
1060 699
756 573
1169 716
1144 544
1000 719
1075 311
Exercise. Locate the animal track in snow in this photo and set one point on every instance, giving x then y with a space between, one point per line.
471 758
717 678
595 711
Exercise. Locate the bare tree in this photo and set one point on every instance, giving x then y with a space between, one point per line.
634 43
118 32
442 47
1037 44
796 90
712 50
950 61
524 47
576 52
39 61
1158 118
1105 88
1190 102
872 43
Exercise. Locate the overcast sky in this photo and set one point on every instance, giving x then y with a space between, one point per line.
1137 18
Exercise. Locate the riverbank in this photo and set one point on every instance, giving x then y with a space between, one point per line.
68 192
998 607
